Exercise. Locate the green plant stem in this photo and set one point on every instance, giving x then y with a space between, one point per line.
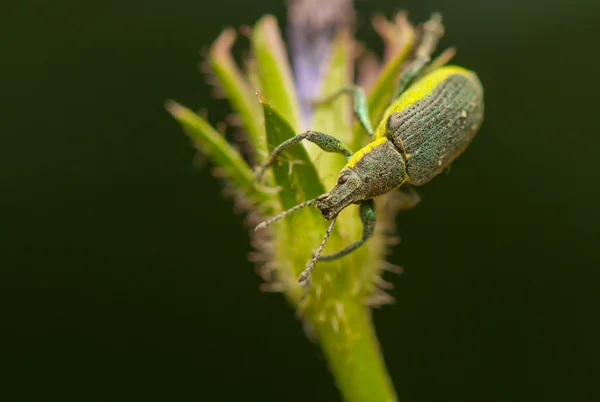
354 355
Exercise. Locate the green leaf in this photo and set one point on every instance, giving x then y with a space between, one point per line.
385 86
273 67
335 117
237 90
219 151
295 173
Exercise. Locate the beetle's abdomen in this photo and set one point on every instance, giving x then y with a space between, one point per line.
435 120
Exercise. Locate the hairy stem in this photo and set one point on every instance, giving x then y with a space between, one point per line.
348 339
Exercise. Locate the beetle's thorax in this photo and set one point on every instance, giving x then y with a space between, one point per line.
376 169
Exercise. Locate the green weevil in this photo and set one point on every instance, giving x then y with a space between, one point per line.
434 116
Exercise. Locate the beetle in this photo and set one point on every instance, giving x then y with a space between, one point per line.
434 116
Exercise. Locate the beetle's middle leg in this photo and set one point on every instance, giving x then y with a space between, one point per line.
326 142
360 105
431 33
368 218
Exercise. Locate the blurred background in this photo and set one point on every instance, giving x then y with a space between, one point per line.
124 275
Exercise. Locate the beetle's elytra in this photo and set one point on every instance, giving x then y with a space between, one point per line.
435 120
427 126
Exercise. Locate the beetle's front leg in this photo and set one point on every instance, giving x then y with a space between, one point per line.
368 218
360 105
326 142
432 31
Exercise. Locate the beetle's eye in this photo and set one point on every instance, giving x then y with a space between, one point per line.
343 179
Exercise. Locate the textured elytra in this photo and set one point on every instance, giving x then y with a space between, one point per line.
433 131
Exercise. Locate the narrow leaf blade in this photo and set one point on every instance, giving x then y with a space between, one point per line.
385 86
218 150
273 67
335 117
295 173
237 90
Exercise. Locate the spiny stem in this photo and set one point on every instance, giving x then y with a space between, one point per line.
350 344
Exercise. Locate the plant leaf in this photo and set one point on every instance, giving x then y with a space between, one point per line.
237 90
295 173
335 117
273 67
385 86
218 150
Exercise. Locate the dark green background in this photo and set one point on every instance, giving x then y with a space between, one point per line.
123 272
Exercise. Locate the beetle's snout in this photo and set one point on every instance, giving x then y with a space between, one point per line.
327 211
326 206
343 194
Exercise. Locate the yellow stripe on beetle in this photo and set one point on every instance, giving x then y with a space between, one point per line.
365 150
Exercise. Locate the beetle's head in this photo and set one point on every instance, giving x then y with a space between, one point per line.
376 170
347 191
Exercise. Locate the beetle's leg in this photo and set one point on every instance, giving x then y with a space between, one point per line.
440 61
326 142
367 217
431 33
360 105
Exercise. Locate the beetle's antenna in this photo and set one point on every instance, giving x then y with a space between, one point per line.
315 258
269 222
